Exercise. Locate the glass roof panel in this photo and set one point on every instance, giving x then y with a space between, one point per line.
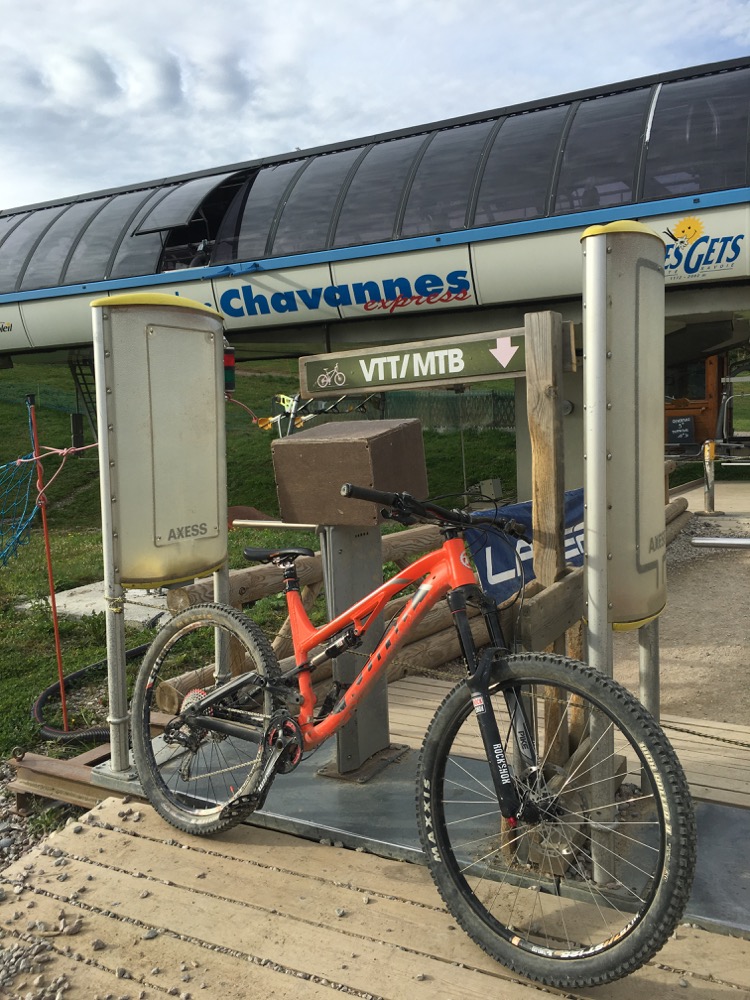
306 217
370 207
518 172
180 204
48 260
100 238
699 136
7 222
138 253
443 183
17 246
261 206
601 153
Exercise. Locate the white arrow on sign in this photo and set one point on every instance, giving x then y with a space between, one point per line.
504 351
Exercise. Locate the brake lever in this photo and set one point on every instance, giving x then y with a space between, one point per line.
515 529
401 517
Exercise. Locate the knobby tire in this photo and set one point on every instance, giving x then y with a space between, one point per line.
593 890
191 775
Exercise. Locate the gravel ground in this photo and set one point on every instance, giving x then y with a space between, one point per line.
23 955
682 551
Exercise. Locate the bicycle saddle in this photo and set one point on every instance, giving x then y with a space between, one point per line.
274 555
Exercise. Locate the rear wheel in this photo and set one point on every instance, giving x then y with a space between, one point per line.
201 780
590 890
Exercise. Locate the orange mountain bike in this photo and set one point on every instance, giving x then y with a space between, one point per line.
554 816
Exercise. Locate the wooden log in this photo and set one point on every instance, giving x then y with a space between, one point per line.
552 611
675 527
434 650
253 582
675 508
169 694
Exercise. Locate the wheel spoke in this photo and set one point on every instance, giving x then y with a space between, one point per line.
191 773
574 886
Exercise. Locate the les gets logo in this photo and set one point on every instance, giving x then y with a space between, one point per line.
692 252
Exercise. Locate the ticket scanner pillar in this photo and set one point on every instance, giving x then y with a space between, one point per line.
160 410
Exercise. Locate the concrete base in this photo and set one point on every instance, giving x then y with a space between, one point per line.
141 606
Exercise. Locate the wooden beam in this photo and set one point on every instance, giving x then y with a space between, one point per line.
253 582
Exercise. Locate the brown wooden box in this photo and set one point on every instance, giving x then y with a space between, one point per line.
311 466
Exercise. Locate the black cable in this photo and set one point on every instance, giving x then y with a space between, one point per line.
95 734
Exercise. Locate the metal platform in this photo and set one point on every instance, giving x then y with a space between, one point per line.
378 816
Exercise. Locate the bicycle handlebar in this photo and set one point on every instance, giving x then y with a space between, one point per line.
405 505
375 496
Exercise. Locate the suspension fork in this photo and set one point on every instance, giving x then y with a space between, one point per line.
479 674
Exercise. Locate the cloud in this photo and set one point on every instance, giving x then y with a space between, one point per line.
95 97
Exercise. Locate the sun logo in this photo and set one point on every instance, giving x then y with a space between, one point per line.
686 231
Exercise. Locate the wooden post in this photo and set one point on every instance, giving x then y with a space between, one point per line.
544 372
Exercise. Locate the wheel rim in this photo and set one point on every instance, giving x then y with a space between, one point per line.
197 771
579 881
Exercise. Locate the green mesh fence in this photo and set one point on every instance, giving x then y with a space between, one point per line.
45 396
437 410
452 411
17 503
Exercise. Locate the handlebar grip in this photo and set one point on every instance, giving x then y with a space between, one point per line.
365 493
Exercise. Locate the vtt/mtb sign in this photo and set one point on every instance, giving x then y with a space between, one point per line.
474 357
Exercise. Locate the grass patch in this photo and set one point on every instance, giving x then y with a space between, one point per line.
27 656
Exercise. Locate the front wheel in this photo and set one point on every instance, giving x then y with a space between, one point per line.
198 778
593 887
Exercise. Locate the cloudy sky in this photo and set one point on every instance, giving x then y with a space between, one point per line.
95 95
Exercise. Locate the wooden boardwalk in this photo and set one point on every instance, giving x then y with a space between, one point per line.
715 755
254 913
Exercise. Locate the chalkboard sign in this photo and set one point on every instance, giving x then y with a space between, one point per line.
680 430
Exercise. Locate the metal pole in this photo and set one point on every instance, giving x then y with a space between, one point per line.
42 505
709 451
648 659
595 451
352 567
114 595
221 639
721 543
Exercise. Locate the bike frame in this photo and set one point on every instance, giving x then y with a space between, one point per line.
440 572
446 572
